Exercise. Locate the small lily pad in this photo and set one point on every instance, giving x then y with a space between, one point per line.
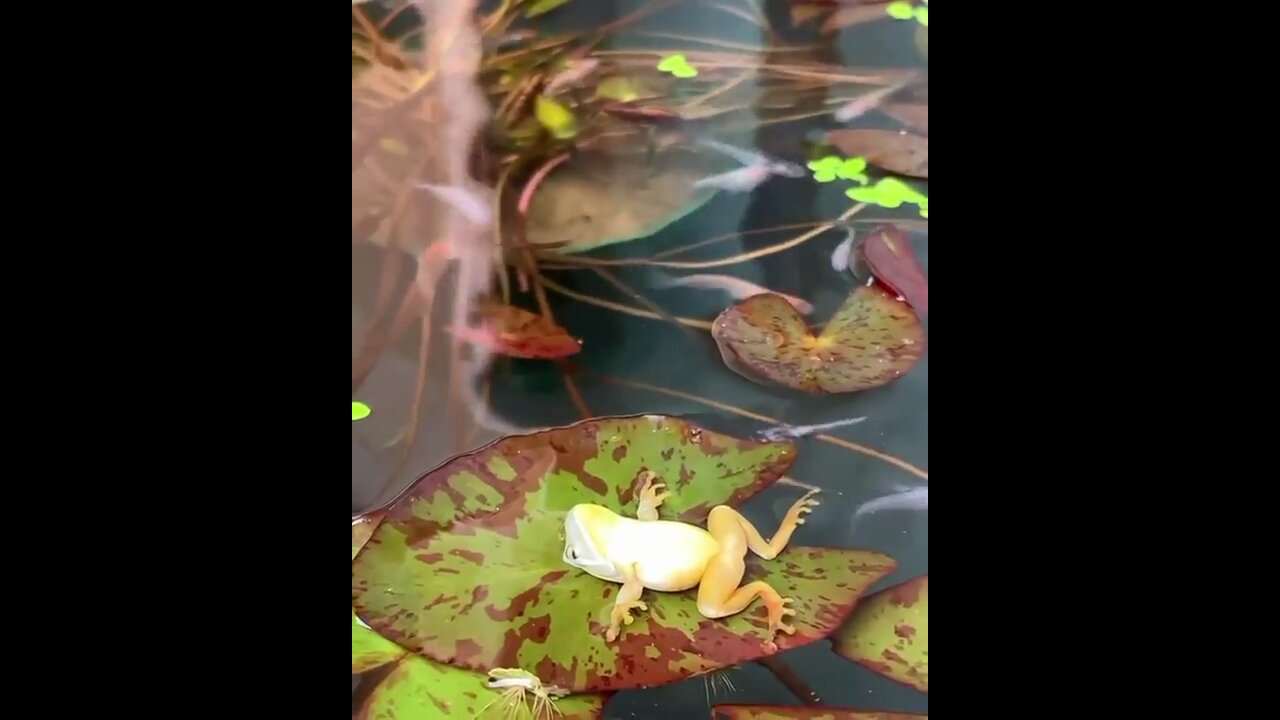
893 150
829 168
892 260
922 16
870 341
359 410
515 332
556 118
889 634
900 10
783 712
677 65
890 193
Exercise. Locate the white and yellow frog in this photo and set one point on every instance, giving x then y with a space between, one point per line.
670 556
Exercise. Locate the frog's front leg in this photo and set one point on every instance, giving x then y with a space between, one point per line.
718 593
650 497
628 600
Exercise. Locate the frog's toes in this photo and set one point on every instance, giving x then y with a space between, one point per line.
786 629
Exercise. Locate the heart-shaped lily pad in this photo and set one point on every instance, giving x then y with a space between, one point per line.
888 253
871 340
677 65
598 198
831 167
897 152
783 712
467 568
419 688
889 634
515 332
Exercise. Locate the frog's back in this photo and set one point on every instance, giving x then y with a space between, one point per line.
672 555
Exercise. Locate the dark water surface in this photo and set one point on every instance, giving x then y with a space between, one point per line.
685 361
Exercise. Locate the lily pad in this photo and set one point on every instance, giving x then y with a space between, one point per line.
870 341
599 199
783 712
913 115
359 410
555 117
889 634
897 152
892 260
419 688
515 332
467 568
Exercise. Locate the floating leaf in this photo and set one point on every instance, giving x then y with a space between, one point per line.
515 332
890 193
913 115
892 260
359 410
783 712
620 88
599 199
677 65
829 168
472 557
541 7
922 16
361 528
556 118
900 10
871 340
889 634
369 649
892 150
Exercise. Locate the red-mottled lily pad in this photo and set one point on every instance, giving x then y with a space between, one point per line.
782 712
897 152
889 634
514 332
467 567
419 688
888 253
871 340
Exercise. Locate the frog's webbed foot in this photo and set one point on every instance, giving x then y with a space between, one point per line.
777 611
622 616
651 496
802 507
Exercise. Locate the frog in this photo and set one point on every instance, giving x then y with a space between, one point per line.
648 553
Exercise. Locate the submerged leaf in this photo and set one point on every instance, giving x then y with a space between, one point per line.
515 332
783 712
892 150
599 199
913 115
556 118
359 410
620 88
541 7
892 260
467 568
870 341
889 634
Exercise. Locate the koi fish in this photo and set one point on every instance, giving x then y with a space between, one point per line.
572 75
858 107
741 180
917 499
469 203
751 158
791 432
737 288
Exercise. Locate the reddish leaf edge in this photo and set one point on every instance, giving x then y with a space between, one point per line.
801 711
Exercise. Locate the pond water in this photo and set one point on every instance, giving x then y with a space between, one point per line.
770 75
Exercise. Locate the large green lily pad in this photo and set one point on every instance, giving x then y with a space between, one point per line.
782 712
890 634
419 688
598 199
467 566
871 340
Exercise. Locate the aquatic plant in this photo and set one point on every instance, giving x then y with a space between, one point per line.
887 251
889 634
782 712
872 339
466 567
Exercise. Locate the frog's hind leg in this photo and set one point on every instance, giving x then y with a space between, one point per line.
718 593
651 496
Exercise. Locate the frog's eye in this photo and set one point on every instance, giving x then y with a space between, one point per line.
573 553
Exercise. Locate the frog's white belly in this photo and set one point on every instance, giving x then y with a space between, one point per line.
672 555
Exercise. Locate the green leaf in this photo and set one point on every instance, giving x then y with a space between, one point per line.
889 634
540 7
870 341
922 16
369 649
556 118
467 568
622 89
900 10
779 712
359 411
898 152
677 65
418 688
825 169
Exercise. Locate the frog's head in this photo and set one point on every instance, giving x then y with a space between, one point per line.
586 539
